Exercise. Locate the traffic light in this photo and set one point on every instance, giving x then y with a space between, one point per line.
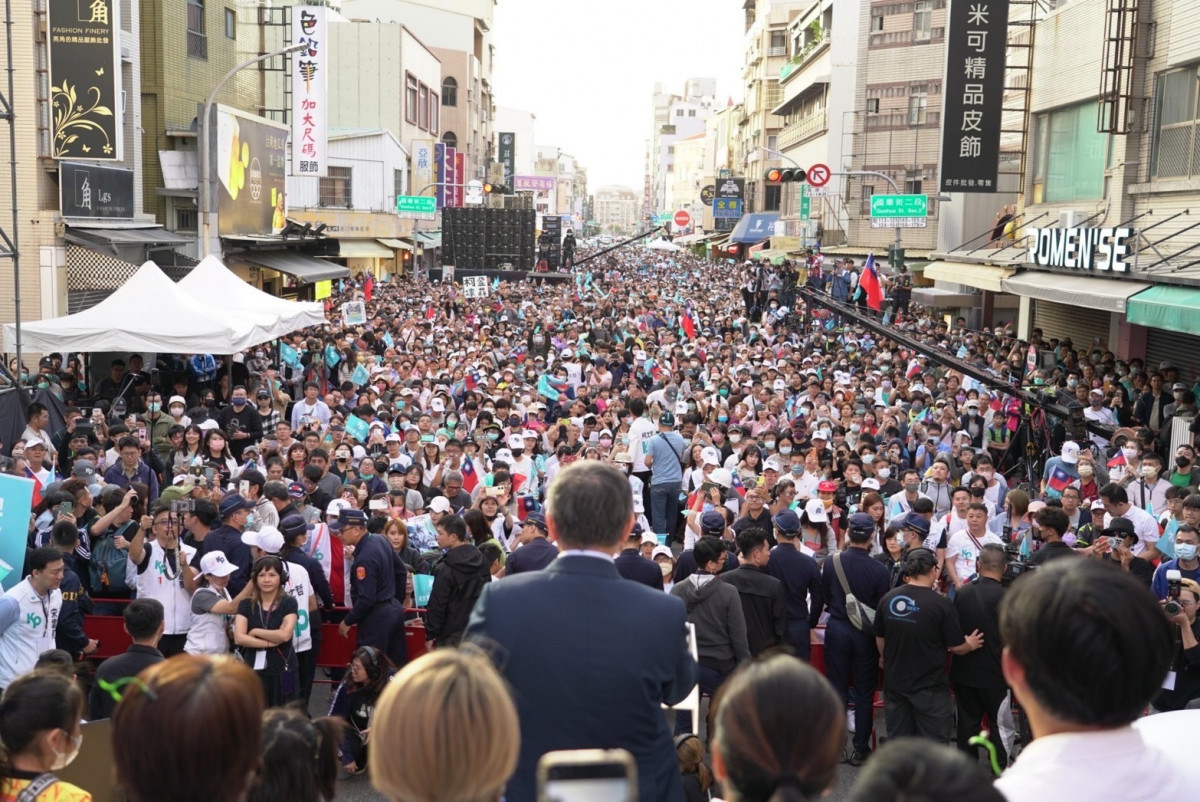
788 176
496 189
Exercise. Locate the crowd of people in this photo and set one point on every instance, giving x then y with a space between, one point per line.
768 475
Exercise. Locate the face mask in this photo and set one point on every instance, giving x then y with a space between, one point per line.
493 436
1185 551
883 473
769 443
785 450
667 569
735 438
250 521
1182 462
724 391
64 759
723 418
400 405
1129 453
1072 382
1069 539
176 412
912 487
154 406
797 470
451 421
1086 471
210 402
1149 471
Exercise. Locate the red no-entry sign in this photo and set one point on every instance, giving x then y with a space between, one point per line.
682 219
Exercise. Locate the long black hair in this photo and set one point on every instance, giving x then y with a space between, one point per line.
34 703
299 758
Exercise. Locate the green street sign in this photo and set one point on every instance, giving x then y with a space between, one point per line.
419 207
805 202
899 205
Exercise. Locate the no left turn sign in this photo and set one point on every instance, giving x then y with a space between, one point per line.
818 175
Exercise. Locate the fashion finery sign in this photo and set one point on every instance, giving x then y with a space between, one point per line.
1096 249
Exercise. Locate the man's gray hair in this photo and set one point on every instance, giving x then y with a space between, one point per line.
591 505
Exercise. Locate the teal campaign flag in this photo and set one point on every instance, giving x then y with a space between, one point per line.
289 355
331 356
360 376
357 428
16 501
387 340
422 589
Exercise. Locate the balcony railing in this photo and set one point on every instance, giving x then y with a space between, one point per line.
803 128
804 56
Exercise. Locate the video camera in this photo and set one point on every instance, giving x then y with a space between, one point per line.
1017 564
182 505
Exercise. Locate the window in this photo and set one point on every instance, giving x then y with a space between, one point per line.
435 110
918 101
197 41
1069 155
772 142
872 105
771 197
1176 152
230 24
912 185
691 112
423 108
778 39
185 219
449 92
865 203
410 98
335 190
877 24
397 183
449 139
922 20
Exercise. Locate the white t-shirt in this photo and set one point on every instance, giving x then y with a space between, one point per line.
964 551
640 433
1143 523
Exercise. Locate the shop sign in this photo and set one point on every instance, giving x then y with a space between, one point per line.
1103 250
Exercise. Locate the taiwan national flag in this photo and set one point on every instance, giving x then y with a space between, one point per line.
689 324
470 477
738 486
870 284
37 486
1117 461
526 505
368 288
518 480
471 380
1058 481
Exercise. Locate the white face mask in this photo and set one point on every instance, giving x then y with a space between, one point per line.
64 759
1129 453
883 473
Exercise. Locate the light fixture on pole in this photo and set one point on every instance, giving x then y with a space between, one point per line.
205 184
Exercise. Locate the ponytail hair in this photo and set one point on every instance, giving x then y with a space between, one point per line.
769 755
35 703
299 757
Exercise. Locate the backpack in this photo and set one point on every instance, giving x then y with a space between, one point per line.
107 569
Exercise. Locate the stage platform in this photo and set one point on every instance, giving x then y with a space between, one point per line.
504 275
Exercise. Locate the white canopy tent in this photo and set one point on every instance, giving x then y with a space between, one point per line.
147 313
663 245
213 285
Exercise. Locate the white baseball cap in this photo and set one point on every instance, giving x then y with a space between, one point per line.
1070 452
815 510
269 539
439 504
215 564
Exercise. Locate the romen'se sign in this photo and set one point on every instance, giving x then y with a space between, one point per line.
1098 249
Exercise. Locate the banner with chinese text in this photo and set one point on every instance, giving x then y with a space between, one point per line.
974 95
85 79
309 92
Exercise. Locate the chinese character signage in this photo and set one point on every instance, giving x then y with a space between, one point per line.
310 70
92 190
85 79
974 95
421 168
451 176
727 208
460 172
508 154
533 183
439 174
250 163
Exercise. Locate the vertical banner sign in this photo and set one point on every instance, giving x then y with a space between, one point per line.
249 158
508 155
16 500
460 170
451 176
85 79
309 74
439 173
974 95
421 168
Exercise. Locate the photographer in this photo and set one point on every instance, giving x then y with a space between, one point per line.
1052 524
1187 540
1184 679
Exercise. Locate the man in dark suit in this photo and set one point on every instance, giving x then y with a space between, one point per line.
144 623
590 657
979 685
536 551
632 565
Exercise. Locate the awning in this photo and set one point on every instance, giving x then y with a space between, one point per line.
1097 293
774 256
692 239
396 244
754 228
429 239
363 249
1167 307
982 277
305 268
112 239
940 298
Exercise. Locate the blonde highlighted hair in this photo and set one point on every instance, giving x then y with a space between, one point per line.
444 730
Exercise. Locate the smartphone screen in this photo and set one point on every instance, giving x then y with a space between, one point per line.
142 435
66 508
243 488
587 782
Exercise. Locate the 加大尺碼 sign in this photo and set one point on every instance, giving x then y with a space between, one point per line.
1095 249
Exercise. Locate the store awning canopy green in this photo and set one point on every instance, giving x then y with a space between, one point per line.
1166 306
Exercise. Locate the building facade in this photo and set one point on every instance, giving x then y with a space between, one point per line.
616 210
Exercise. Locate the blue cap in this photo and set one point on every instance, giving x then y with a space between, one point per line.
862 522
916 522
712 521
787 521
537 519
234 503
349 517
293 525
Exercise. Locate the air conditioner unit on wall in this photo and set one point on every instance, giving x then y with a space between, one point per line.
1071 218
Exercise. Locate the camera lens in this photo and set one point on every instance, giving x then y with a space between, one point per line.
1172 607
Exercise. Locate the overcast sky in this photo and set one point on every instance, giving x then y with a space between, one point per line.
587 70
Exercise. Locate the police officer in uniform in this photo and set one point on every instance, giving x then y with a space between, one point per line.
377 581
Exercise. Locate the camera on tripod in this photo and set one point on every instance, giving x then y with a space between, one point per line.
183 505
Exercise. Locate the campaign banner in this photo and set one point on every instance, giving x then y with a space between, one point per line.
421 171
439 174
973 98
83 43
460 171
249 156
451 174
310 137
16 502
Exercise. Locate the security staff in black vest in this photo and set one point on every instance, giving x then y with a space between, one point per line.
762 595
849 652
979 685
801 578
377 576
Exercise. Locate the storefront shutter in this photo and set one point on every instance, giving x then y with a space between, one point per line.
1080 324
